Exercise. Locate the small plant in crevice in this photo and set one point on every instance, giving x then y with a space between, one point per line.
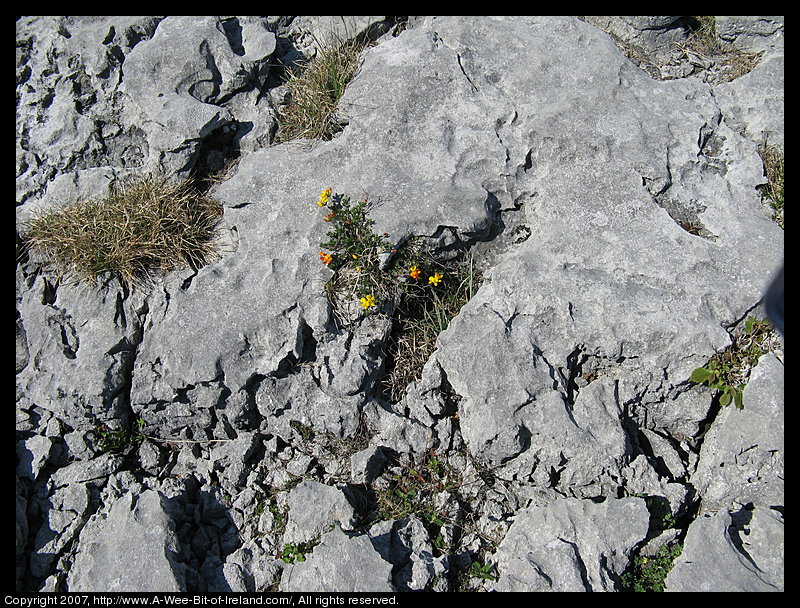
355 254
772 191
109 440
703 41
412 491
145 226
647 574
315 88
407 282
482 571
295 552
729 370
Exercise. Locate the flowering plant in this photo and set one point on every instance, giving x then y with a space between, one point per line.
405 281
360 258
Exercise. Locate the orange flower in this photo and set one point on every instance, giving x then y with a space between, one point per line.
326 258
328 217
414 272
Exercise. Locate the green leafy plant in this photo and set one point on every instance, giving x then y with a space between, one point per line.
729 370
412 491
355 253
420 292
144 226
295 552
715 375
482 571
120 439
648 573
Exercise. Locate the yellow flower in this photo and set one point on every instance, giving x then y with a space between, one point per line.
367 301
414 272
324 197
434 280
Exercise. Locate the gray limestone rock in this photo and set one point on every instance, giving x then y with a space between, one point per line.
182 76
589 281
68 111
322 31
753 104
726 551
339 564
366 465
570 545
33 454
130 548
81 343
742 457
406 545
330 508
620 235
250 569
652 36
753 33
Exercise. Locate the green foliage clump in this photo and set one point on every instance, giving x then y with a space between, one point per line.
648 573
412 490
356 253
482 571
295 552
120 439
729 370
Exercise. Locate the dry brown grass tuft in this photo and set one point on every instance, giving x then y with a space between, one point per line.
315 89
147 225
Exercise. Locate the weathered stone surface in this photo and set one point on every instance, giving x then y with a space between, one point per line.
249 569
181 76
570 545
131 548
331 508
33 454
588 282
339 564
314 33
68 113
650 35
406 545
80 343
617 224
725 551
753 104
366 465
742 458
752 33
